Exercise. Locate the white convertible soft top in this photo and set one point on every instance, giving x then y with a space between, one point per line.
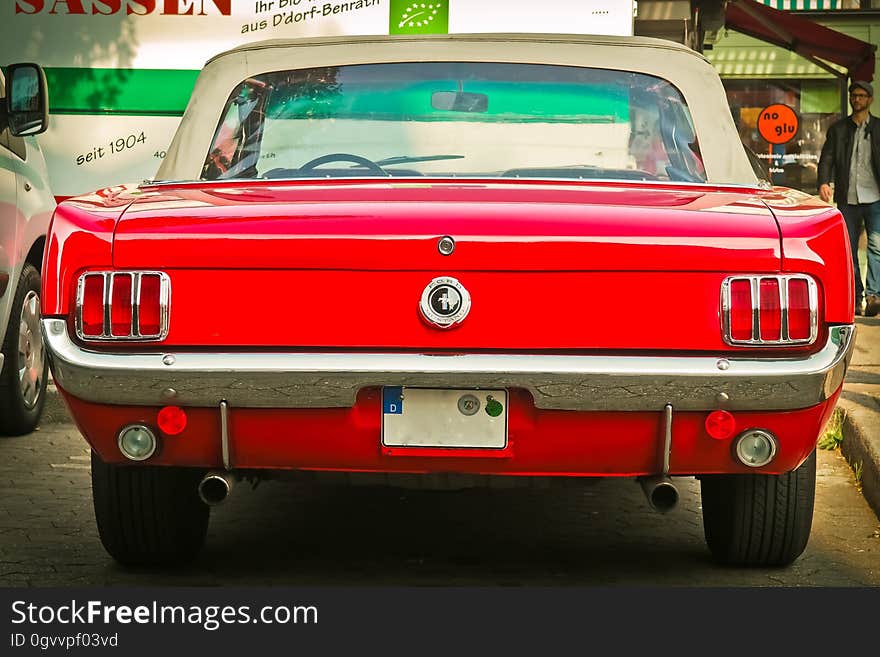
723 154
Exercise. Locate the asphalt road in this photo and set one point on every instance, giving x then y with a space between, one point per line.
284 533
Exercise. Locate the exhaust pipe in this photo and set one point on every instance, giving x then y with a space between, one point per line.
661 492
215 487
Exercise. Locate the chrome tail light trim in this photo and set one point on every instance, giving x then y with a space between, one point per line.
135 334
107 329
755 287
135 304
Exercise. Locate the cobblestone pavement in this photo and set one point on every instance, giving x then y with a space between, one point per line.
284 533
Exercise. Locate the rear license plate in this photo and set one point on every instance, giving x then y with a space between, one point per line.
429 417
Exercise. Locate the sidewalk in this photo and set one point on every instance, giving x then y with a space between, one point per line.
861 402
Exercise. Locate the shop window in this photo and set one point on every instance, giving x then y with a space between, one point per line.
816 104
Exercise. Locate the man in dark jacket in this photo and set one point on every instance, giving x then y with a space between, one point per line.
851 159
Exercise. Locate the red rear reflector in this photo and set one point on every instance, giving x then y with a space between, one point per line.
171 420
798 310
720 425
771 312
120 305
741 310
149 309
93 305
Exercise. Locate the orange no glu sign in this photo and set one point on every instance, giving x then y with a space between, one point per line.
778 124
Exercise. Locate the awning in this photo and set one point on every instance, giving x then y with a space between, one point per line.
815 42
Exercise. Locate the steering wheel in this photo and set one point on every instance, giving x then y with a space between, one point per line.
344 157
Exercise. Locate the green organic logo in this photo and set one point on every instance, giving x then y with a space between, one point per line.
409 17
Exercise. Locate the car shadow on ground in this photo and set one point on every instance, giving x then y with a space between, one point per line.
288 533
603 534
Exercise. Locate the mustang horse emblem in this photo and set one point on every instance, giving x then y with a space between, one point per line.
445 302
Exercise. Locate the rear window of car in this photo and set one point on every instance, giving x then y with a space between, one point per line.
455 119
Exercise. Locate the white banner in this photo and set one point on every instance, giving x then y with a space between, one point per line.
84 153
610 17
183 34
102 131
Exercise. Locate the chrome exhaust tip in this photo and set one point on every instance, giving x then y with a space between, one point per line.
215 487
661 493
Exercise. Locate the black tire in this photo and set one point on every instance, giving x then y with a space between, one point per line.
759 520
17 415
149 515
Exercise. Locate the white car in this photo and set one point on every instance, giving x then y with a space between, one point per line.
26 206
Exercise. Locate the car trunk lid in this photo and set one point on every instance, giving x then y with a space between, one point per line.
547 266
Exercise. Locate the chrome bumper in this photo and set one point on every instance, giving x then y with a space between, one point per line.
327 380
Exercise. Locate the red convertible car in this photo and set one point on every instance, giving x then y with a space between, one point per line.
447 260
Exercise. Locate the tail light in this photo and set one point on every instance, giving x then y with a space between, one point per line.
800 310
769 310
123 306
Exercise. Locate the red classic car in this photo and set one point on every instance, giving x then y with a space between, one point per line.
451 260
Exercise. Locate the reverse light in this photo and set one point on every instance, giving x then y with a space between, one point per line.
756 448
769 310
123 306
137 442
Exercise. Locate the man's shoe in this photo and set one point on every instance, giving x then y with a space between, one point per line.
858 307
872 306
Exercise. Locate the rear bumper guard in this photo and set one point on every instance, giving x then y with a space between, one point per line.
565 382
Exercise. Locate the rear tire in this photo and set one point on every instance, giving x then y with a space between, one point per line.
148 515
759 520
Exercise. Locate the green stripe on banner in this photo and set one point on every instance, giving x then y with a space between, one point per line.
140 92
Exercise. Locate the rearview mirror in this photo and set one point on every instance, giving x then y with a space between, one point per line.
27 100
459 101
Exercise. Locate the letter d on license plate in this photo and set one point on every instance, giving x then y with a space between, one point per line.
429 417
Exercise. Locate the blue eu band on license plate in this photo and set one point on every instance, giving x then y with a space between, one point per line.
435 417
392 400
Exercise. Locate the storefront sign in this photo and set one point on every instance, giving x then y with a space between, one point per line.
122 70
183 34
778 124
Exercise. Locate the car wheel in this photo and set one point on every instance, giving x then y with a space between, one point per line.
24 375
148 514
759 520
